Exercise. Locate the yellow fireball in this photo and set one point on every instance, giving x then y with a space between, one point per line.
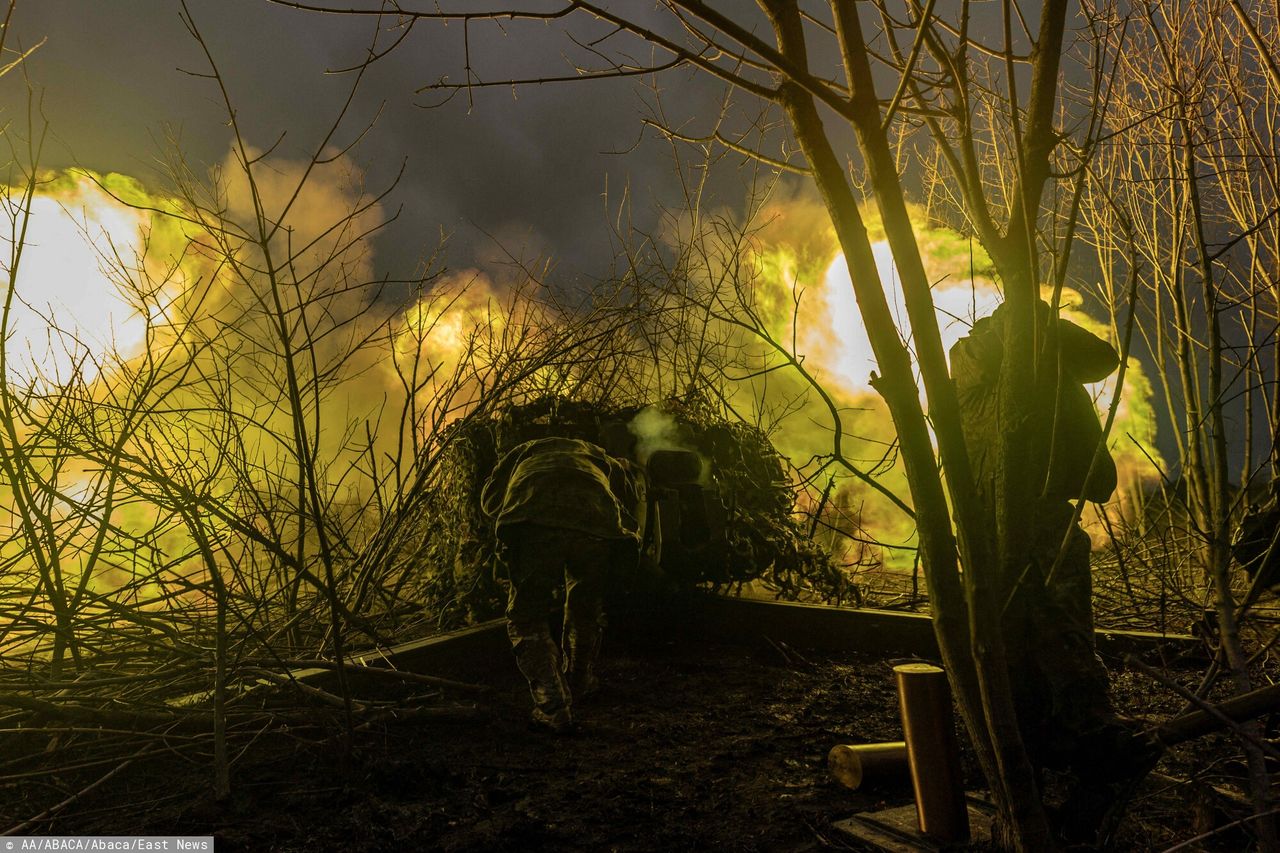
65 281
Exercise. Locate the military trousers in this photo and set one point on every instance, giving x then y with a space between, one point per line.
1060 686
536 563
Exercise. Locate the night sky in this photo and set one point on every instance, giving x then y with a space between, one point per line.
530 172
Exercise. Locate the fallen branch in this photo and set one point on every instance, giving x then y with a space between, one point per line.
1191 842
1215 717
135 720
308 690
387 672
440 713
54 809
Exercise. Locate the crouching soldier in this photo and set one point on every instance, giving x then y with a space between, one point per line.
564 512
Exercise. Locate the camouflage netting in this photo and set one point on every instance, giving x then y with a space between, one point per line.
734 525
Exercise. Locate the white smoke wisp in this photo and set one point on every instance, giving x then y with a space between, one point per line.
655 430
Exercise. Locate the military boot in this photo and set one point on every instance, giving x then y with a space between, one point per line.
583 630
538 658
582 648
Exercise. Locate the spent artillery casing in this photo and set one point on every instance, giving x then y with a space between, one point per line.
932 751
857 764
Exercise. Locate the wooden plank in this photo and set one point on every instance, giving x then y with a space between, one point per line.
483 653
717 618
895 829
809 626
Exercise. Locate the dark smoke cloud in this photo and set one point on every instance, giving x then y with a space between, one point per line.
531 170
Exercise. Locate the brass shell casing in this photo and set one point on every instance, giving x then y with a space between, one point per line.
933 753
856 765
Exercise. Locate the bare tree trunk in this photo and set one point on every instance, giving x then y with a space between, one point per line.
1217 518
976 662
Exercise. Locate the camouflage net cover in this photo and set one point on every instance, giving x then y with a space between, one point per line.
739 528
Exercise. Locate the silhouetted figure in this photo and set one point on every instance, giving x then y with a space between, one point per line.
1068 435
1255 547
1060 686
565 514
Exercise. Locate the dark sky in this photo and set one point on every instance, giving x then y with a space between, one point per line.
532 170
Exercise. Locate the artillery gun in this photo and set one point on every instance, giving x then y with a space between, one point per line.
720 504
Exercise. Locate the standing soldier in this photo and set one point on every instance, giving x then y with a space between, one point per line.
1060 687
1069 435
564 512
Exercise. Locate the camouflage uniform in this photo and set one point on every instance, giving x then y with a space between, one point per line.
1254 543
1060 687
564 512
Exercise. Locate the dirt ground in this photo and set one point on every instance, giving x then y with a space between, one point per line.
683 749
687 747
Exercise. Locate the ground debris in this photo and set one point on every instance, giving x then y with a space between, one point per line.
688 746
714 748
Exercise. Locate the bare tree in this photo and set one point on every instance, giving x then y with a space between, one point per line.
189 517
990 108
1186 201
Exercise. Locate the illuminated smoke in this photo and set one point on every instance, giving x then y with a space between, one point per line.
436 342
470 315
66 301
848 356
170 320
654 430
797 252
